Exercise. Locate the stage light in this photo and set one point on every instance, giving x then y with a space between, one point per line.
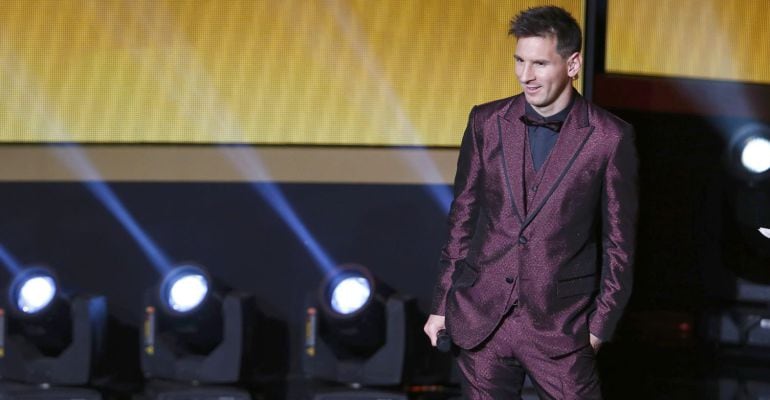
735 250
349 293
353 304
50 337
33 290
361 332
749 152
184 289
39 312
197 330
756 155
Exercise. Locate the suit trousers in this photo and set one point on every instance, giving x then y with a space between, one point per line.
495 369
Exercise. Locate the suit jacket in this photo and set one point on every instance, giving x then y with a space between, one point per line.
567 261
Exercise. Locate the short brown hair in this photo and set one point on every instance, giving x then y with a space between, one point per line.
549 21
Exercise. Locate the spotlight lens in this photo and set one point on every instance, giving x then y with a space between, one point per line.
350 295
756 155
35 294
187 292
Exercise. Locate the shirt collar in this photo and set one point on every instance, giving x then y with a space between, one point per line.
559 116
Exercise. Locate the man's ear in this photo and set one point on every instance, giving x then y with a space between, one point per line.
574 63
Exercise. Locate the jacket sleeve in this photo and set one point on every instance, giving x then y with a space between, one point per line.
462 214
619 216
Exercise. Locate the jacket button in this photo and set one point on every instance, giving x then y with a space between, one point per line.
509 279
522 240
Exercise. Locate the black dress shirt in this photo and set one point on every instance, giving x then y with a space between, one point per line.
542 139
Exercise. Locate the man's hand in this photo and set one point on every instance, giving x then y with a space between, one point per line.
596 343
434 324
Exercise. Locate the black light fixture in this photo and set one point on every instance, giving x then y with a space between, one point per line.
362 334
353 304
198 334
738 281
746 248
49 339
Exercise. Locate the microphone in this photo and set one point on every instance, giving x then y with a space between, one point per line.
443 341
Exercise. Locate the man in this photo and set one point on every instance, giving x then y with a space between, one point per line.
537 267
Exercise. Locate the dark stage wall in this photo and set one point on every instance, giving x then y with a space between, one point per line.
686 238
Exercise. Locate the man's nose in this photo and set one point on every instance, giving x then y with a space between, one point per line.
526 74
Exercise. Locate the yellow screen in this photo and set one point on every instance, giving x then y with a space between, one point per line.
328 72
712 39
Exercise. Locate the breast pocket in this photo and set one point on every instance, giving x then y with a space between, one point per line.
464 275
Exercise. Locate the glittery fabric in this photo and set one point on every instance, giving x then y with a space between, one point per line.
566 259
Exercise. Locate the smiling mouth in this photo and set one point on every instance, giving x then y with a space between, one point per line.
531 89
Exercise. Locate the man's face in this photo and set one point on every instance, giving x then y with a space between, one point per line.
544 74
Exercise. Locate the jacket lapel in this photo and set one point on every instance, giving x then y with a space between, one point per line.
511 135
572 138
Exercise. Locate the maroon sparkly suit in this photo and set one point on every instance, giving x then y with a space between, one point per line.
552 248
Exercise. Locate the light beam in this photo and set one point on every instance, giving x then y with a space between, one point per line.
9 262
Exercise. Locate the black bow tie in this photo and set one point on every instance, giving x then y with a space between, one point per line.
552 125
